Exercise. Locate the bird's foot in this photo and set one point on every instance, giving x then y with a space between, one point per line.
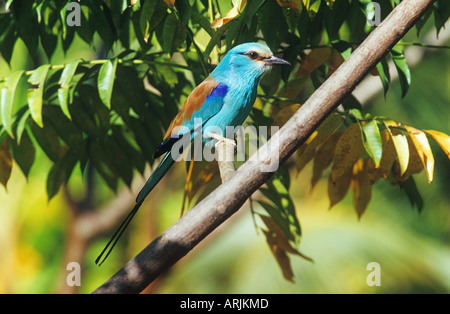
221 138
225 148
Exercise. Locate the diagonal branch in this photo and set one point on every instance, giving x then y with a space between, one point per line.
218 206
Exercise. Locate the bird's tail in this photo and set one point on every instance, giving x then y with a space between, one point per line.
156 176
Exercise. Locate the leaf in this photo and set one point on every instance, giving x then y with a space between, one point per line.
361 187
404 74
312 6
152 13
294 5
65 82
205 178
442 139
280 206
372 141
313 60
338 188
105 81
349 149
48 140
285 114
280 245
401 145
413 194
7 100
272 23
343 47
420 141
60 172
34 95
324 156
385 77
219 22
308 149
335 61
5 163
387 159
173 34
170 3
280 256
415 164
23 153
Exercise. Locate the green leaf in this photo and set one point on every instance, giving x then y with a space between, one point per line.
68 73
65 83
23 153
372 141
102 162
404 75
343 47
48 140
105 81
7 101
151 14
281 207
34 95
173 34
60 173
413 194
383 72
272 23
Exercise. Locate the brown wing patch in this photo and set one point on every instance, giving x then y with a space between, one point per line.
192 104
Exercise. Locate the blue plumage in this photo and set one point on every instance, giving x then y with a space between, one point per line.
223 99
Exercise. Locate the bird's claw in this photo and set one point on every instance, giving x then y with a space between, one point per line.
221 138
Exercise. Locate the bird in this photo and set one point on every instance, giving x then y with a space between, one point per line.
224 99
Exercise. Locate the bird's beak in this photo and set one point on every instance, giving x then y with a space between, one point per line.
275 61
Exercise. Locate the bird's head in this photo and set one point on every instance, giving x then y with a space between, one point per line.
249 60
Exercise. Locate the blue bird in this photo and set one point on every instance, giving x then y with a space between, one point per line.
223 99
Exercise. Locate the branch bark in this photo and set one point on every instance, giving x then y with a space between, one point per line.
201 220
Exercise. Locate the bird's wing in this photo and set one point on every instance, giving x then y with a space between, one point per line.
204 102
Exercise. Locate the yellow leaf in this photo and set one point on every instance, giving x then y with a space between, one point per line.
442 139
205 177
400 143
420 141
280 245
237 8
415 164
335 61
330 3
285 114
5 163
348 150
170 3
337 189
305 155
361 187
280 255
324 156
313 60
312 6
387 159
294 5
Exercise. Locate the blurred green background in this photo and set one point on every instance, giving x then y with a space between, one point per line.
412 248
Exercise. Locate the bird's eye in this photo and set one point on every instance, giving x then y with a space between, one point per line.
252 55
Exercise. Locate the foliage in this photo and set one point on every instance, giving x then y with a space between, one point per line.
153 53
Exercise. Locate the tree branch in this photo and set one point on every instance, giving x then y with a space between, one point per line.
218 206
